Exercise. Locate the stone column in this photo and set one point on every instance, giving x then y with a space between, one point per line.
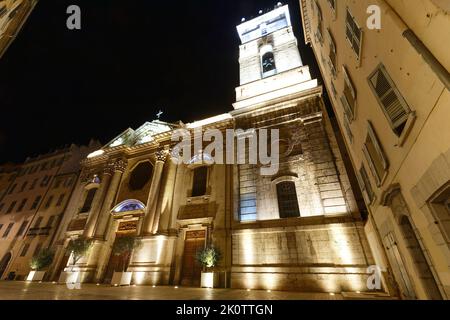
150 225
97 202
119 168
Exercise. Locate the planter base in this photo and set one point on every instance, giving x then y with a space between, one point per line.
121 278
209 280
36 276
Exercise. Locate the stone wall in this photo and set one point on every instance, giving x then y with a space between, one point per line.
323 258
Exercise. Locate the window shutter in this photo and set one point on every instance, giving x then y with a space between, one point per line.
392 102
353 33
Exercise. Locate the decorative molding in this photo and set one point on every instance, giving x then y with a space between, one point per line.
162 155
120 165
389 193
109 169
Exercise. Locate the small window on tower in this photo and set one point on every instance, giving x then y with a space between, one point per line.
268 62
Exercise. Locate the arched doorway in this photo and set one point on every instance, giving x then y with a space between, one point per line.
4 264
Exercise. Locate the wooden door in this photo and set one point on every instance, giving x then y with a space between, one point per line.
191 269
116 262
62 266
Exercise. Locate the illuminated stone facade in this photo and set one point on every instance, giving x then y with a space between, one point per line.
132 187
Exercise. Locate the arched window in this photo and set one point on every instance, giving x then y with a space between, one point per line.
287 200
268 62
140 175
88 200
199 181
129 205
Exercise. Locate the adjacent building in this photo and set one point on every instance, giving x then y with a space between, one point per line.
13 14
297 228
34 205
385 65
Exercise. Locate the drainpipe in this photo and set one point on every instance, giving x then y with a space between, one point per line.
418 45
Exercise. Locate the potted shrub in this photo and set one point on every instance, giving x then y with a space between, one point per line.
209 258
77 248
123 247
38 263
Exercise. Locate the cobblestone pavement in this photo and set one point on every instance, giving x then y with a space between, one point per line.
19 290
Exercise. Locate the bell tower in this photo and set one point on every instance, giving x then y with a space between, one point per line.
268 46
269 58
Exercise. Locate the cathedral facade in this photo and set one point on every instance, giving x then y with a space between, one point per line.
296 229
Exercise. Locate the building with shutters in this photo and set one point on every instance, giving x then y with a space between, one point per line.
389 88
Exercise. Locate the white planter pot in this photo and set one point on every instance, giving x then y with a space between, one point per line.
209 280
36 276
121 278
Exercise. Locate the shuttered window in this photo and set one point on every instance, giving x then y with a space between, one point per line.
348 130
375 155
319 32
332 56
353 34
287 200
366 187
348 99
391 100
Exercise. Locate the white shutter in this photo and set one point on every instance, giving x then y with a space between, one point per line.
392 102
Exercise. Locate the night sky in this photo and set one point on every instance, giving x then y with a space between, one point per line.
130 59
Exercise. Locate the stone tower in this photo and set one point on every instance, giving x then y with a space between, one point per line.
299 229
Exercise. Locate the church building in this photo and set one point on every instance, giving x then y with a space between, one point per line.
297 229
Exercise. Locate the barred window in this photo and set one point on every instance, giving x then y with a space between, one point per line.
287 200
199 181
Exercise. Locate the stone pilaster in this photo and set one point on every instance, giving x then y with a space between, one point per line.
119 168
150 225
97 203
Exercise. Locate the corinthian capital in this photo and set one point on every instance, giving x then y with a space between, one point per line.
109 169
120 165
161 155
